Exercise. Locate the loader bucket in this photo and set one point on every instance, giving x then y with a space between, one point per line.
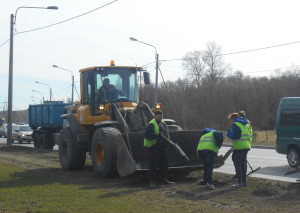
187 140
125 162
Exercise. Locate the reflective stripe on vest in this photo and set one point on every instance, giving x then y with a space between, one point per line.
149 143
207 142
245 139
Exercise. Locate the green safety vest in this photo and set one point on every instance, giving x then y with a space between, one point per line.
250 133
245 140
207 142
149 143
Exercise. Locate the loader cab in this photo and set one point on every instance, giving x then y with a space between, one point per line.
109 84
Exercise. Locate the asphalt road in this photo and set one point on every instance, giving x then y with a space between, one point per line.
273 165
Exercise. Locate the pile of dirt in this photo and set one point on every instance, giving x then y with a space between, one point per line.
264 192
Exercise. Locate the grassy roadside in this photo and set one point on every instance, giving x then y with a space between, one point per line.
52 190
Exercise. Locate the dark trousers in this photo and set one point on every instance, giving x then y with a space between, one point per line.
158 162
240 164
208 163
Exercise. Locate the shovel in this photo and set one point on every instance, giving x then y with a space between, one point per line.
176 147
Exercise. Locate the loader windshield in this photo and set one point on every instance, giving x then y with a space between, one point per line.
111 84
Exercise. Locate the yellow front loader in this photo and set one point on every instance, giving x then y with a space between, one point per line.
109 123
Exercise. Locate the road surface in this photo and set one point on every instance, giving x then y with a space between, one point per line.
273 165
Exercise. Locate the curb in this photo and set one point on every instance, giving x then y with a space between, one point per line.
254 146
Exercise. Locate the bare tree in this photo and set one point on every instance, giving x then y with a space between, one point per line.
214 61
195 66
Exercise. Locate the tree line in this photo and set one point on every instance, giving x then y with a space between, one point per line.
211 91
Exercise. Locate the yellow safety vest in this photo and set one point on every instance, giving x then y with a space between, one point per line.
149 143
207 142
245 139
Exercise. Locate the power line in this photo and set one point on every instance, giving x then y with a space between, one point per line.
247 72
63 89
239 52
57 23
5 42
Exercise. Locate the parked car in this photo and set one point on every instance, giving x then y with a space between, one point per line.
22 133
3 131
288 129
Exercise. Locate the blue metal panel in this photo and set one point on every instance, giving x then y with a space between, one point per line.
46 115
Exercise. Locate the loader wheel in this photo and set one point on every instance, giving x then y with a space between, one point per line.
70 157
104 151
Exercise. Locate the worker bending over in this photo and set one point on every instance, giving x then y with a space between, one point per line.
208 147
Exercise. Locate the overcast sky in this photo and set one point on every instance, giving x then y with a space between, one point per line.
174 27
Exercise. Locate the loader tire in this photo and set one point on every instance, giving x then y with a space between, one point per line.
104 151
70 157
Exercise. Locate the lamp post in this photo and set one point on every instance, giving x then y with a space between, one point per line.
39 93
72 79
36 98
49 88
13 19
156 67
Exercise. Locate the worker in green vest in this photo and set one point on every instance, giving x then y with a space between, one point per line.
208 147
241 141
157 146
242 114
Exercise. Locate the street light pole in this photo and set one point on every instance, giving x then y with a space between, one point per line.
10 75
10 83
156 67
72 79
50 89
39 93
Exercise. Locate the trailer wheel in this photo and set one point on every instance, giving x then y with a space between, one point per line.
70 157
293 157
36 143
45 141
104 151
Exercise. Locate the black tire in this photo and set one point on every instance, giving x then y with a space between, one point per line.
70 157
45 141
20 140
293 157
36 141
104 151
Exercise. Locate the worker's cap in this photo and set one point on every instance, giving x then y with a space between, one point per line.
206 130
158 112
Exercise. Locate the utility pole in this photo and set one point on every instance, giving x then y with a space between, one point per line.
55 66
10 83
156 78
156 67
10 75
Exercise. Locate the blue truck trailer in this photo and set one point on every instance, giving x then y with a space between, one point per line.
45 121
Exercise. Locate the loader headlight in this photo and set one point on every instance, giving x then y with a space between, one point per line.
23 135
101 107
158 106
